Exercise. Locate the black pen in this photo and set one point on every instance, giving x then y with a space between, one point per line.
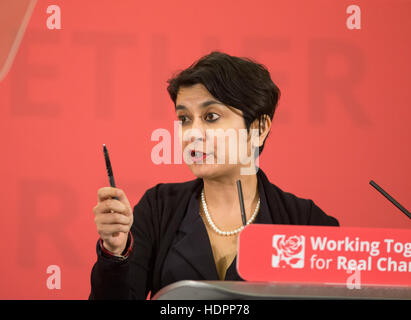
109 169
240 197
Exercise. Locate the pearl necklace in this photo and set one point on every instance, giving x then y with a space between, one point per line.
226 233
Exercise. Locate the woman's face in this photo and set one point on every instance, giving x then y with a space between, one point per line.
214 136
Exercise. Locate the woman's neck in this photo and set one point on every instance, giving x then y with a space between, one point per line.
221 196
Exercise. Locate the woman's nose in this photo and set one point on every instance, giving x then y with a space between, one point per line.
197 130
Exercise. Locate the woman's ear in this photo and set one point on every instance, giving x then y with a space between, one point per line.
265 128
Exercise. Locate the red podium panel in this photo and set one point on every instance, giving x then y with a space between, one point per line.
325 255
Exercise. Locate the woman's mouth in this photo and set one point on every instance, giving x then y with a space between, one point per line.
197 156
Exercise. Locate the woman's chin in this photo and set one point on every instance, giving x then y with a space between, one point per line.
202 170
210 171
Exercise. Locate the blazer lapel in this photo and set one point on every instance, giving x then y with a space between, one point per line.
277 212
194 246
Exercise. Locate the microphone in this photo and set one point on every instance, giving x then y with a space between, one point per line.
393 201
240 196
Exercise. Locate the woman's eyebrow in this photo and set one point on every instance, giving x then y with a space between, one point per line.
203 105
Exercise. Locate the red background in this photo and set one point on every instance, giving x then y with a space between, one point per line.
343 118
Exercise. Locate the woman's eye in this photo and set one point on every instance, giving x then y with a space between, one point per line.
211 117
182 118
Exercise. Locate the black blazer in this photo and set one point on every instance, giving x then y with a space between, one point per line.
157 218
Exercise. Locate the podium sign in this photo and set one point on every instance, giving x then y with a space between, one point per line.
325 255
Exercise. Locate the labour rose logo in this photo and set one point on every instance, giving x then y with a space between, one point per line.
288 251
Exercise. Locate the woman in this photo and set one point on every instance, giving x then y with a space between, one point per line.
189 230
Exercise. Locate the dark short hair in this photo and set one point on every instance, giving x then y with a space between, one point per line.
235 81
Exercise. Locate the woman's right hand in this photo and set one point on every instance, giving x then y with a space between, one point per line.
113 218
